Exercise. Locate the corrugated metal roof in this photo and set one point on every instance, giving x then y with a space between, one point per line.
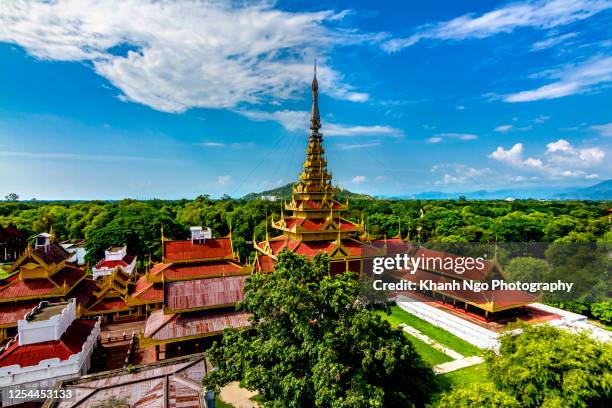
144 387
186 250
204 293
176 326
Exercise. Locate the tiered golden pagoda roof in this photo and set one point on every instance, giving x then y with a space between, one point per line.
313 221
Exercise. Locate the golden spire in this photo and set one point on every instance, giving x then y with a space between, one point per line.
315 119
162 241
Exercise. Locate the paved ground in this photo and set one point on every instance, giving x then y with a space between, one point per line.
118 329
457 364
238 397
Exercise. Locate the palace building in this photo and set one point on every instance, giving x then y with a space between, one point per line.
12 243
488 304
315 221
41 273
191 295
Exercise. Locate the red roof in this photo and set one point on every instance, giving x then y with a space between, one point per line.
125 262
68 275
265 263
70 343
199 270
146 291
436 259
500 298
394 245
186 250
11 312
84 292
106 305
174 326
17 288
317 224
204 293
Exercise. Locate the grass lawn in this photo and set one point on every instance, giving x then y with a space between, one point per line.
428 353
399 315
465 376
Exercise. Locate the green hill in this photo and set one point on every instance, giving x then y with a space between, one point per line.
285 192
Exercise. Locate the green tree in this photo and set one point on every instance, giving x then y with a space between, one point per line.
314 345
135 224
477 396
543 366
602 311
527 269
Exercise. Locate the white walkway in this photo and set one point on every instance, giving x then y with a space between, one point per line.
426 339
457 364
459 361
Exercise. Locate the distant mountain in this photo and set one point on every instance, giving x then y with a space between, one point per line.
600 191
285 192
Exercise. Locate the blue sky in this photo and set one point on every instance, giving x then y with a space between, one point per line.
161 99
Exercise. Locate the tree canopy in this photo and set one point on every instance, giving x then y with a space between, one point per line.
313 344
543 366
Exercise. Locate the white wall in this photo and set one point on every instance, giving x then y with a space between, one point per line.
31 332
470 332
75 365
116 256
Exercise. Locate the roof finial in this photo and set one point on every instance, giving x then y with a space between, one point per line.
315 120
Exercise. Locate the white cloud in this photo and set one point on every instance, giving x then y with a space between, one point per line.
290 120
560 145
542 14
563 152
503 128
552 41
351 146
461 174
174 55
603 130
570 80
84 157
299 121
459 136
224 180
511 156
460 107
541 119
227 145
358 179
434 140
561 159
332 129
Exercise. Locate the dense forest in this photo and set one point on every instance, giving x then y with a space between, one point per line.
139 223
